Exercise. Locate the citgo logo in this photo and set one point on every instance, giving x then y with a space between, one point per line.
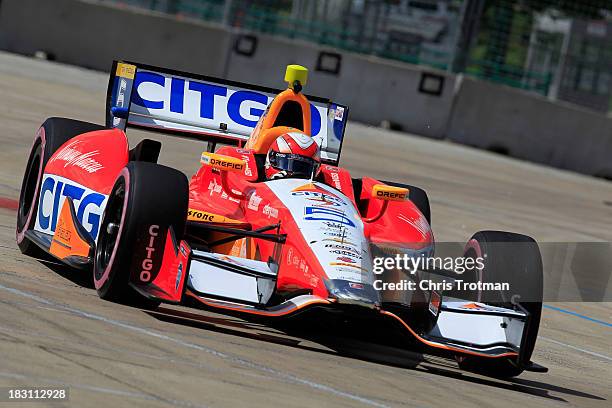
88 204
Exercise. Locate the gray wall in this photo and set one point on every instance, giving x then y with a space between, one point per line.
467 111
531 127
92 35
375 89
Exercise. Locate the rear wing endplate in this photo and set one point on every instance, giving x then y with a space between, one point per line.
206 108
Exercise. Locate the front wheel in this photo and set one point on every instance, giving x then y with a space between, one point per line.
51 136
514 259
147 206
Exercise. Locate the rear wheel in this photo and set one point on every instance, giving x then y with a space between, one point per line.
146 202
515 259
53 133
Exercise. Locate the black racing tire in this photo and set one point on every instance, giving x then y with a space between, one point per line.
516 259
147 200
418 196
53 133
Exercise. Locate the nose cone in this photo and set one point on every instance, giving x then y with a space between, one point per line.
353 293
331 225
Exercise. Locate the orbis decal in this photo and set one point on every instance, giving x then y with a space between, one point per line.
88 204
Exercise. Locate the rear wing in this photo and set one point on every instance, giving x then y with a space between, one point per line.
206 108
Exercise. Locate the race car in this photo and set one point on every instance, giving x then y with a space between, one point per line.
261 230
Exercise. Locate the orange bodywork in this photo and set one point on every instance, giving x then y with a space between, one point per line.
267 130
66 239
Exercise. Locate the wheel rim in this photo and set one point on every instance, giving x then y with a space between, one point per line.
109 230
28 188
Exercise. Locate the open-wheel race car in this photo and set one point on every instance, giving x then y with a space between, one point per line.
262 228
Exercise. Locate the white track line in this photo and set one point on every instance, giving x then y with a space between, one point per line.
216 353
592 353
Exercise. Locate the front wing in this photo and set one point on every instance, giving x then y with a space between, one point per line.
244 286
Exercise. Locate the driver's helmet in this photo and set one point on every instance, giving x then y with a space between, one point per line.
293 154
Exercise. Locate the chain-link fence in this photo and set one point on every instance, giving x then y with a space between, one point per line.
558 48
562 49
419 32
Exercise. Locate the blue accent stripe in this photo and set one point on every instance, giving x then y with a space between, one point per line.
569 312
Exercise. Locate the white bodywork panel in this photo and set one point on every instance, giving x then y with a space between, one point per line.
331 225
219 281
479 324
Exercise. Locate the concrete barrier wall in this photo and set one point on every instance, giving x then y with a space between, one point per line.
376 90
92 35
390 91
531 127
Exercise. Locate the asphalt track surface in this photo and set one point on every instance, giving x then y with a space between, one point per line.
54 330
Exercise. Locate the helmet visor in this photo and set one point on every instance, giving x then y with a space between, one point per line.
294 164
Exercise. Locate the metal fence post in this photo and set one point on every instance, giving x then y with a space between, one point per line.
471 12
